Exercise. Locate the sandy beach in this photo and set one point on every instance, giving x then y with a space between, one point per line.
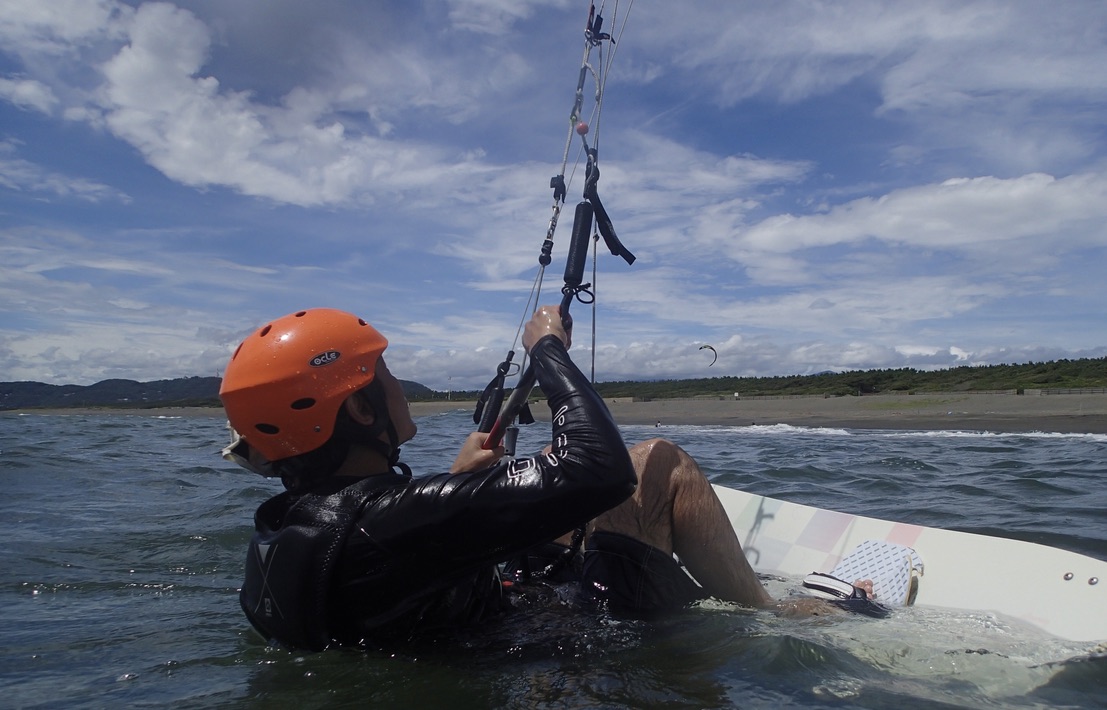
1070 413
1065 413
1076 413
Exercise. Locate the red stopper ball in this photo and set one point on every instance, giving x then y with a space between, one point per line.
582 128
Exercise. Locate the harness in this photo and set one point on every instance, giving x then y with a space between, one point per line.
292 558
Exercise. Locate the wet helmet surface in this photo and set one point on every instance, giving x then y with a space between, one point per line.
286 382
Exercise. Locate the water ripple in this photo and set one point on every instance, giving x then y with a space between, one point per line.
125 539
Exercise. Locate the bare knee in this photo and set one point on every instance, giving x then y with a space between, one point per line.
647 514
655 454
659 463
650 444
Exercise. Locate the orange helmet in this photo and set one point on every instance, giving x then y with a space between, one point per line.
285 383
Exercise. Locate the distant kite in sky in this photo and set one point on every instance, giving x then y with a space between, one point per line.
708 347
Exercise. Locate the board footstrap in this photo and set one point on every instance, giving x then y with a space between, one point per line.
894 570
829 587
843 594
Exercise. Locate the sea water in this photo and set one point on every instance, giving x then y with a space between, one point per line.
123 537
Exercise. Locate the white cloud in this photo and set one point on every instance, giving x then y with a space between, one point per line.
806 186
492 17
24 176
28 93
964 214
59 27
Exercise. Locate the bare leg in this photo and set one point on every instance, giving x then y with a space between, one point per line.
675 510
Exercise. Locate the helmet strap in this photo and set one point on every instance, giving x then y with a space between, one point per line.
370 435
303 472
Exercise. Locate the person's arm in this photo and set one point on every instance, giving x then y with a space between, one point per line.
474 457
452 522
545 322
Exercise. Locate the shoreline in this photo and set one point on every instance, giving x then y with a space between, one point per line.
999 413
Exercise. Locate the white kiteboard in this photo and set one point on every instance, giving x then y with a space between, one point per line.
1060 592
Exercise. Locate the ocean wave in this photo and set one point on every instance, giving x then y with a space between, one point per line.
994 435
667 430
785 429
136 560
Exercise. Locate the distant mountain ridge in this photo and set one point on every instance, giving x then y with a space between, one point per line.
181 392
1087 375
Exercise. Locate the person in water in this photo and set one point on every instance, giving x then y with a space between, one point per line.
357 551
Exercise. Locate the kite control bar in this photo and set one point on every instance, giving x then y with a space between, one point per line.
572 290
591 208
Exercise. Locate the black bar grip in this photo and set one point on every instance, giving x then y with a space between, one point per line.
515 403
578 247
491 410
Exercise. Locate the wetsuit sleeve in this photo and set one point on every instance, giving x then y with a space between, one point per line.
451 523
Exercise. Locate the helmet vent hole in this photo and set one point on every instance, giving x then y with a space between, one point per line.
300 314
305 403
267 428
265 331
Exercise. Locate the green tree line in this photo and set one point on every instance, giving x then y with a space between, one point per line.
1060 374
203 391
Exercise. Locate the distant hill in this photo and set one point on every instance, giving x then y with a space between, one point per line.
183 392
1088 374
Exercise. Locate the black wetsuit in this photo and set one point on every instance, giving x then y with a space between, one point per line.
391 556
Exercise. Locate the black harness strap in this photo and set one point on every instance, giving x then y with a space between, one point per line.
292 557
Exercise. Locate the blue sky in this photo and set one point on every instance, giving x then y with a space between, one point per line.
808 186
